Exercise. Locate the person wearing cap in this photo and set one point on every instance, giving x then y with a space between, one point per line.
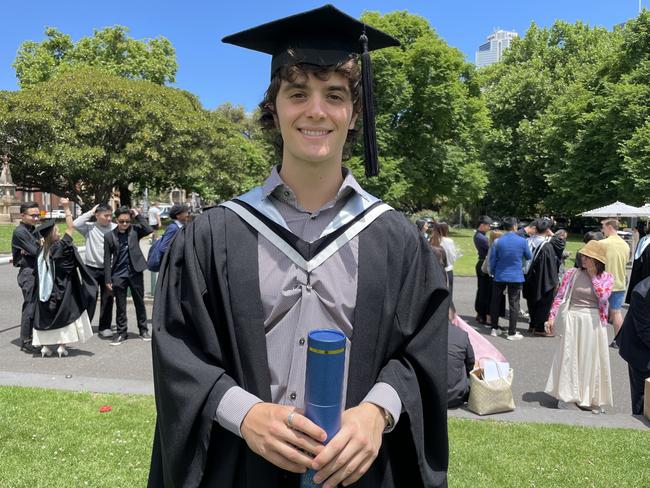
244 284
580 374
180 215
94 258
66 291
25 246
483 280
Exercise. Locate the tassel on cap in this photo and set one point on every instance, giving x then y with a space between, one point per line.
369 133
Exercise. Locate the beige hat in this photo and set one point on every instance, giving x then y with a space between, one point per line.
595 250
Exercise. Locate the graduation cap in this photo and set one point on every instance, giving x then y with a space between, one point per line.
45 228
323 37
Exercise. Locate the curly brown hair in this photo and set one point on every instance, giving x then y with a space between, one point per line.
349 69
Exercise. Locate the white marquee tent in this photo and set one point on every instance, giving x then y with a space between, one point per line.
618 209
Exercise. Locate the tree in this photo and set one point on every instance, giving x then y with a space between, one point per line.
431 119
86 132
109 49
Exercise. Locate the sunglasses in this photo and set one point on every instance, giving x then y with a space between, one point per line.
123 221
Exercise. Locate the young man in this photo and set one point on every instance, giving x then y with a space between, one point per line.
25 246
124 265
507 257
180 215
245 283
483 280
618 252
94 258
154 217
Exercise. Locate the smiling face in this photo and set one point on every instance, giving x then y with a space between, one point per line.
314 116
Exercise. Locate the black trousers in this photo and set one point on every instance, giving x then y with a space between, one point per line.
514 291
136 284
105 300
637 386
539 310
27 281
483 291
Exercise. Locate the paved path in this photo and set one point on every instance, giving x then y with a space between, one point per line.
97 366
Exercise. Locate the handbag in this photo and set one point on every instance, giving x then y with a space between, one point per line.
486 397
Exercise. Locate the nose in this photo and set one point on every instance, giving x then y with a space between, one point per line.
316 107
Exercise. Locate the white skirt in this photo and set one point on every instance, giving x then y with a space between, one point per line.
580 372
78 331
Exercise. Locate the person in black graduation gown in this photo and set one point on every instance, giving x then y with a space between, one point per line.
208 320
66 292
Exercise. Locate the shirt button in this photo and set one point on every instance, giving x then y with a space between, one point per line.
287 193
293 396
301 341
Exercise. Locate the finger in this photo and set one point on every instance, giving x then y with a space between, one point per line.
361 470
349 471
282 462
292 455
331 450
338 463
303 441
306 426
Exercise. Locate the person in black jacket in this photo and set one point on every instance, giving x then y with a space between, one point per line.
460 361
25 246
124 265
633 342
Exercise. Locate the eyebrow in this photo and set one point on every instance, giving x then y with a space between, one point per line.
303 86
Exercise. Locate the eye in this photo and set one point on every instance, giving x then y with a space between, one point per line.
297 95
336 97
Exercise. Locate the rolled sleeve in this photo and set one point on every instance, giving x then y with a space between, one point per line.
233 407
385 396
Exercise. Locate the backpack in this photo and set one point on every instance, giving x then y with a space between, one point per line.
154 258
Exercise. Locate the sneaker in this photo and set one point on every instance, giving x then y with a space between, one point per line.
613 345
118 339
494 333
597 410
515 337
524 315
144 335
107 333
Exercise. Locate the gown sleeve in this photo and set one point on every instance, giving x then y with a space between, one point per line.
418 370
189 377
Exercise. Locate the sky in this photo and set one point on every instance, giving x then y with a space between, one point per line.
219 73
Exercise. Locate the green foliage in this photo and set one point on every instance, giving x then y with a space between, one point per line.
571 108
431 119
109 49
86 132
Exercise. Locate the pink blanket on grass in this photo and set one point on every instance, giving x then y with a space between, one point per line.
483 348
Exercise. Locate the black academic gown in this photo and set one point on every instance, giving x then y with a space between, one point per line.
72 291
209 336
542 276
640 271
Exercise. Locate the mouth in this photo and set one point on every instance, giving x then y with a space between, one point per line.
314 132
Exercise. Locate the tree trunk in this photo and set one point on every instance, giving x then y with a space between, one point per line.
125 195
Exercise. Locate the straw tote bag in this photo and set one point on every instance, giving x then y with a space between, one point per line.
486 397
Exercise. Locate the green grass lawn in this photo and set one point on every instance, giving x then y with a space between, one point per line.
59 439
464 239
7 229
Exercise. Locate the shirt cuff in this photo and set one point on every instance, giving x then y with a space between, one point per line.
233 407
383 395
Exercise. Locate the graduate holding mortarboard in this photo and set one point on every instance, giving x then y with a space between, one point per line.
244 284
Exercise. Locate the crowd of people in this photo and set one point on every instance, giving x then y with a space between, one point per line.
578 303
60 288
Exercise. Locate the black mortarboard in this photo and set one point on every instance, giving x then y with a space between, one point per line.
45 228
323 37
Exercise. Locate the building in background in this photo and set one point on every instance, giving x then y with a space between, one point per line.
492 51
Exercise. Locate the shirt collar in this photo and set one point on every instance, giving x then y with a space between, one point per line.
276 187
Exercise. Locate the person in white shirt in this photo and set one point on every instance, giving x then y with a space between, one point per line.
94 258
154 217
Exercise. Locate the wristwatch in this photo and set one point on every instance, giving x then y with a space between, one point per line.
388 418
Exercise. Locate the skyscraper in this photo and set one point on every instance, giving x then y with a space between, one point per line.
492 51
